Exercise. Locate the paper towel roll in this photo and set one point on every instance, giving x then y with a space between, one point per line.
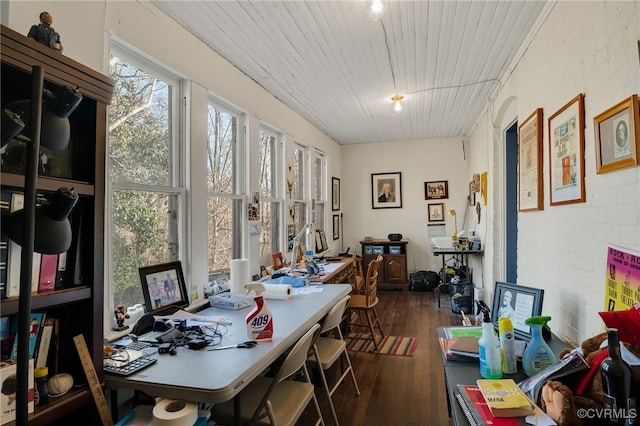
171 412
239 275
277 291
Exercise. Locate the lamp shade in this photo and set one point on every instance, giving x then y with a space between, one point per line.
56 109
52 228
12 125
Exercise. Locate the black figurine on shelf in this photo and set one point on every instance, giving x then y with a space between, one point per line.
121 315
45 34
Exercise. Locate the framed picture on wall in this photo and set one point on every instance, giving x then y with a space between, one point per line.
436 212
530 185
566 153
436 190
617 136
335 193
336 226
386 190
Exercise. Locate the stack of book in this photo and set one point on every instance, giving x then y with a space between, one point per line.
498 403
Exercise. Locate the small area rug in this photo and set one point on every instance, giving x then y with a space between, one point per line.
390 345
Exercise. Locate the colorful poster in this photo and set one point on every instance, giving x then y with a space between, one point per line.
623 279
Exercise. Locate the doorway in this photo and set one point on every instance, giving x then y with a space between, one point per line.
511 203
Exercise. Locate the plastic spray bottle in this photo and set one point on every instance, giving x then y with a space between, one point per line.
538 355
259 320
489 348
507 346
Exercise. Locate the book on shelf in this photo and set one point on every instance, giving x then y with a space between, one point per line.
48 271
44 345
475 407
573 362
8 381
5 202
35 323
505 398
14 257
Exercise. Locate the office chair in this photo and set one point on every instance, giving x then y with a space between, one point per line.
364 305
327 350
276 401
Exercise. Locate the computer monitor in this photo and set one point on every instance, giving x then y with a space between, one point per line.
163 285
321 241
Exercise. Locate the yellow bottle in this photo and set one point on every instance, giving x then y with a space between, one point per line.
507 346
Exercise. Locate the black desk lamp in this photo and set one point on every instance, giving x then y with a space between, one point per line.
44 228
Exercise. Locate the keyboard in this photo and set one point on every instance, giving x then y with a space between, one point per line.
130 367
145 348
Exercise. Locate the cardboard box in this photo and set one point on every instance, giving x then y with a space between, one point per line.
8 391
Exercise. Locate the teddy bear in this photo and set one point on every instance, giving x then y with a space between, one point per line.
563 400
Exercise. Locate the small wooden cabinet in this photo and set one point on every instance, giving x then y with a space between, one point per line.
393 273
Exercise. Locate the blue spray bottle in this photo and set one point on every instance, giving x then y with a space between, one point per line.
538 355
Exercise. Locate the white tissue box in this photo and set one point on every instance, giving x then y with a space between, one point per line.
229 301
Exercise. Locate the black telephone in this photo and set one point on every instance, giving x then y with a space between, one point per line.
312 268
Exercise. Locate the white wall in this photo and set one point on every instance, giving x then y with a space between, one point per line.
419 161
563 249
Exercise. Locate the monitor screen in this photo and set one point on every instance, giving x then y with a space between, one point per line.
321 241
163 285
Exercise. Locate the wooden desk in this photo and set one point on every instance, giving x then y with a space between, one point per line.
218 376
337 272
467 372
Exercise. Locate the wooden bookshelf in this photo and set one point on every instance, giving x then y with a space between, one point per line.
78 299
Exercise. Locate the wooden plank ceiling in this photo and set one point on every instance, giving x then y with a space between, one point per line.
336 67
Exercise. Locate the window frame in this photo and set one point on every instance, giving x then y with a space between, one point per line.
239 193
178 164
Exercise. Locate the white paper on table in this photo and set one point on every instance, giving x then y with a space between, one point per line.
307 290
193 319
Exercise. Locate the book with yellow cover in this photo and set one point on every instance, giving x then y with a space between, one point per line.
505 398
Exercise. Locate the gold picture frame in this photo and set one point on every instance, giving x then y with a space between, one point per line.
566 153
530 182
616 135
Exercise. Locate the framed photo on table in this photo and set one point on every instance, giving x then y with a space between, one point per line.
617 136
386 190
518 303
566 153
530 185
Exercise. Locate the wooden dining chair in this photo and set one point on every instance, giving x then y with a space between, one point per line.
362 307
329 348
280 400
358 275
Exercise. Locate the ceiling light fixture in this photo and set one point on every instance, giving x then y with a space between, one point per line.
397 105
376 10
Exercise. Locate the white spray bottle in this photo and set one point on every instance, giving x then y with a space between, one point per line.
259 320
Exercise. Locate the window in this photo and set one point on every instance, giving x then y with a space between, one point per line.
319 188
225 134
270 204
297 203
145 198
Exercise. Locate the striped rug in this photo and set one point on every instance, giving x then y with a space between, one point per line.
390 345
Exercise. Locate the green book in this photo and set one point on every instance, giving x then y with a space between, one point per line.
457 332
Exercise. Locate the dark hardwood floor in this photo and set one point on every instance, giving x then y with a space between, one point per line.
397 390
